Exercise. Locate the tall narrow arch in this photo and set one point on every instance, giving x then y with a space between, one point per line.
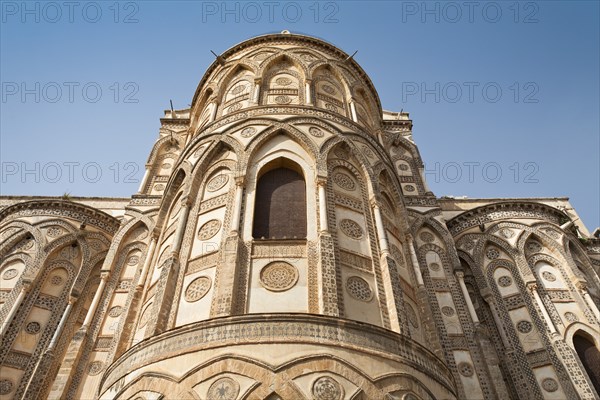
590 357
280 206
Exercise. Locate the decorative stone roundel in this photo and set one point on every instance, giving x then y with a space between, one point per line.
403 167
6 386
115 311
56 280
283 81
427 237
409 188
524 326
328 89
550 385
209 229
549 276
95 367
133 260
465 369
54 231
569 316
10 274
278 276
434 266
223 389
159 187
283 99
248 132
33 327
492 253
351 229
344 181
327 388
504 281
358 288
234 107
238 89
197 289
316 132
448 311
217 182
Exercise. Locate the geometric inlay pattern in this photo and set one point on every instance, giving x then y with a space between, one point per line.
223 389
550 385
504 281
6 386
344 181
351 229
327 388
524 326
197 289
209 229
278 276
359 288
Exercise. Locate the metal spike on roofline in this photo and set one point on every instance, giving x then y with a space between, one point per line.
349 57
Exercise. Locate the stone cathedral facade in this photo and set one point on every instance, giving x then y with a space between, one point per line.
285 245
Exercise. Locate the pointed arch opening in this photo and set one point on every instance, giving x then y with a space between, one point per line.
280 206
589 356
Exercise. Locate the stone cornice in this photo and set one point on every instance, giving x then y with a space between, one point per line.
62 208
505 210
310 329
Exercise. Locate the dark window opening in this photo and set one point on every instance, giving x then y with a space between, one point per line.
280 205
590 358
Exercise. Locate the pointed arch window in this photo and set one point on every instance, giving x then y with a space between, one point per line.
280 203
590 358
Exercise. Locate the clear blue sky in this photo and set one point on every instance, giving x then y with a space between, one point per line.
444 62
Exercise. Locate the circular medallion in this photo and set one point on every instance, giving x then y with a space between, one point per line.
316 132
409 188
569 316
283 99
331 107
166 165
234 107
327 388
358 288
283 81
56 280
238 89
94 368
197 289
434 266
248 132
6 386
54 231
159 187
550 385
344 181
492 253
524 326
427 237
209 229
133 260
505 281
217 182
465 369
549 276
223 389
10 274
33 327
534 246
115 311
328 89
412 316
403 167
278 276
351 229
448 311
